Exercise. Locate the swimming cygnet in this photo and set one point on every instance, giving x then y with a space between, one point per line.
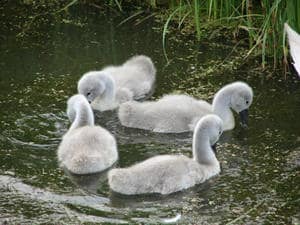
113 85
85 148
165 174
180 113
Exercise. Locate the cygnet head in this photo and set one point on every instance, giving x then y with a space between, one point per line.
211 127
241 99
91 85
74 102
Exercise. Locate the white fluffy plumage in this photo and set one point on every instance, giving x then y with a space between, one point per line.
180 113
85 148
165 174
113 85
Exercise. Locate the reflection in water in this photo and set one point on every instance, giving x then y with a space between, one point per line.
119 200
88 182
125 135
40 70
16 190
14 185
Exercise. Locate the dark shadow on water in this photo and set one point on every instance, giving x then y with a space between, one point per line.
136 201
126 135
40 71
90 182
226 137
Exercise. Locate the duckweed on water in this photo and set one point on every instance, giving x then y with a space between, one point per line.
259 183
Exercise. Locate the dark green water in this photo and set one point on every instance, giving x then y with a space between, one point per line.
259 183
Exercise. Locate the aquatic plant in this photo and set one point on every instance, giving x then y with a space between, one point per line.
261 20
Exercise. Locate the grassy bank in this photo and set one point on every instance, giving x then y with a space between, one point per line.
262 21
258 22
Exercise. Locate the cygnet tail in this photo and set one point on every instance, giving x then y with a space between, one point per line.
193 123
126 113
83 164
124 95
143 62
116 181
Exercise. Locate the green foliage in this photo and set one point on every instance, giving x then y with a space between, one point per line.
262 20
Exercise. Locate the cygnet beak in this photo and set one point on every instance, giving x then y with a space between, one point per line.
244 118
214 148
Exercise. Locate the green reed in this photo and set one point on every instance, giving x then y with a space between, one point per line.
262 20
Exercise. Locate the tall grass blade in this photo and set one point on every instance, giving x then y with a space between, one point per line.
197 17
119 5
165 30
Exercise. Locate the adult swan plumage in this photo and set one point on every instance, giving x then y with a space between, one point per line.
180 113
165 174
113 85
294 42
85 148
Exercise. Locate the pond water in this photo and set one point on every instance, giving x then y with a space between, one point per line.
259 182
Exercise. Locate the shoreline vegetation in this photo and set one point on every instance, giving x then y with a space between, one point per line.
256 23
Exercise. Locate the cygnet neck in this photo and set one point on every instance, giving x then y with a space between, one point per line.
83 115
109 84
221 107
202 151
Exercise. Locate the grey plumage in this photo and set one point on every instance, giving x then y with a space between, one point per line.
85 148
137 74
132 80
166 174
180 113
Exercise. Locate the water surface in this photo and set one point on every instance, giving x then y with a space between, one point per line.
259 183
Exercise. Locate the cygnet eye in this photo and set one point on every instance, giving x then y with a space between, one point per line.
87 94
247 102
220 132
